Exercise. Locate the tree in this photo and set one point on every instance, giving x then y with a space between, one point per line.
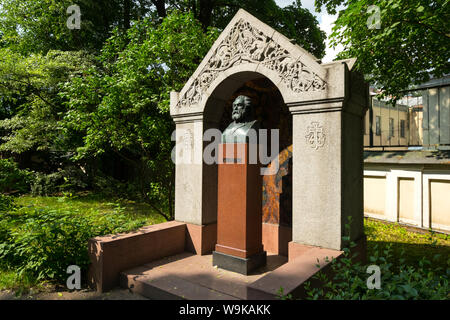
411 45
300 24
37 26
293 21
102 92
122 106
29 89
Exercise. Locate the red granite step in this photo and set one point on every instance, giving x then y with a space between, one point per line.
188 276
192 277
170 287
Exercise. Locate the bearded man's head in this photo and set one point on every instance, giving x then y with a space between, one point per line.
242 108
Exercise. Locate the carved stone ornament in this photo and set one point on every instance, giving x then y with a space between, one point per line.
246 44
315 135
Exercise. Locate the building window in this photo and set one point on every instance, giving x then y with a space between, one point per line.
378 125
391 127
402 128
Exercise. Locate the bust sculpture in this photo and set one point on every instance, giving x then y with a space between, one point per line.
243 121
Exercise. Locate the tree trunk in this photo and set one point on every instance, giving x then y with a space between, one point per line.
205 13
160 8
126 14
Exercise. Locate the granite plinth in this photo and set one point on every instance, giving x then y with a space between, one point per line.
240 265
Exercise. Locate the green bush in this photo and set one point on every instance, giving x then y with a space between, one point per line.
107 186
46 184
349 281
44 242
69 179
399 280
6 203
13 179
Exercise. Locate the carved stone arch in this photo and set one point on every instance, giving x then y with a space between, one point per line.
222 88
247 44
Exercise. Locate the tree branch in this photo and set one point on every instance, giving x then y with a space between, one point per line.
421 24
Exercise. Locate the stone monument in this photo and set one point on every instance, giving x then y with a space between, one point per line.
326 103
239 205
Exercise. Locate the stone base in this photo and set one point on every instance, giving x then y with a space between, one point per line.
112 254
275 238
240 265
201 239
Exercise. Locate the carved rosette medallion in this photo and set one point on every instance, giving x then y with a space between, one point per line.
246 44
315 135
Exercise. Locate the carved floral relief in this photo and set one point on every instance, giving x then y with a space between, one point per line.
246 44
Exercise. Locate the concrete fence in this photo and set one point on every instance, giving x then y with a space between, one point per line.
415 195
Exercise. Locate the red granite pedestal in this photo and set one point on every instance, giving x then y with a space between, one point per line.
239 231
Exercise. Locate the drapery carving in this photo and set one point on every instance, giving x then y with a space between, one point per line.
246 44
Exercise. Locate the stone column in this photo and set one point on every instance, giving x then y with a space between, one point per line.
328 166
195 185
189 170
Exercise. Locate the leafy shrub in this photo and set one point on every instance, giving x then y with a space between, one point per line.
399 281
6 203
13 179
108 186
349 281
44 242
69 179
46 184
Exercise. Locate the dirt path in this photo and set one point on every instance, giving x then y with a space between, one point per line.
83 294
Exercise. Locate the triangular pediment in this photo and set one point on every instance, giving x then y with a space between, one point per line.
248 41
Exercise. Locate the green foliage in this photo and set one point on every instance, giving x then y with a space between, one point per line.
424 279
69 179
123 105
6 203
37 80
43 242
413 246
37 26
13 179
302 26
282 296
107 186
90 204
411 45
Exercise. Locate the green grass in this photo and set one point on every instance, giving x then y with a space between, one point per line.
91 203
95 207
10 280
415 245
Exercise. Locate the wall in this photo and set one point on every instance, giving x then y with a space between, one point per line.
414 194
386 112
415 127
436 116
426 113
